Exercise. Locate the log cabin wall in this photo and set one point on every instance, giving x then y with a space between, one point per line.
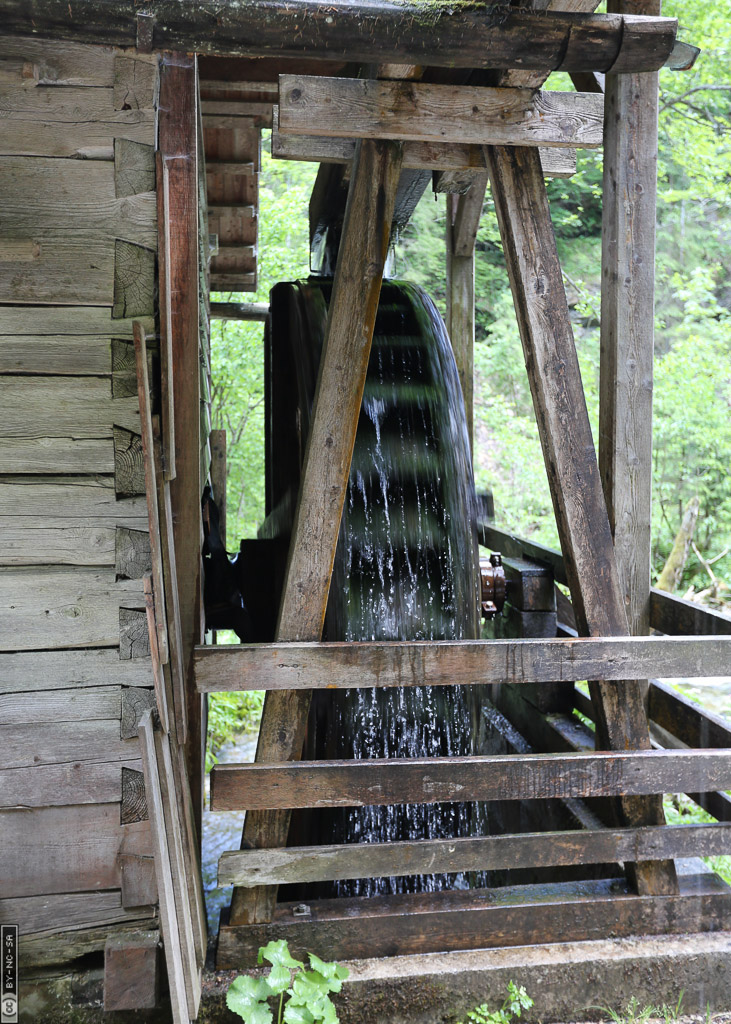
78 239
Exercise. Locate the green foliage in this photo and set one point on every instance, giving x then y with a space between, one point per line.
308 991
636 1013
513 1005
229 715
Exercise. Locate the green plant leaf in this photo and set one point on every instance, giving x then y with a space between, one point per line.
296 1014
277 953
279 978
247 996
332 974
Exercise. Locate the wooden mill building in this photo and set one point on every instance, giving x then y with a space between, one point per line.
129 161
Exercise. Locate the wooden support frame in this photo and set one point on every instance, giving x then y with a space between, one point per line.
367 33
336 410
479 919
540 300
423 780
403 663
628 324
419 156
487 853
418 112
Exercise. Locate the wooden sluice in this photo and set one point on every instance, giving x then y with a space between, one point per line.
458 93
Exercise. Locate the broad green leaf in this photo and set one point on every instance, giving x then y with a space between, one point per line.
279 978
247 997
296 1014
277 952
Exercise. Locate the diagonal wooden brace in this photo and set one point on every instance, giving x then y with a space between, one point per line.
524 218
346 351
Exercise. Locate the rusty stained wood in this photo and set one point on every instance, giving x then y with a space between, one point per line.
473 37
540 301
336 408
487 853
379 926
421 780
306 666
556 162
369 108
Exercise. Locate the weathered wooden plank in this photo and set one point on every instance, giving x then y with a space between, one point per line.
489 853
370 33
69 122
43 407
68 501
43 198
132 558
371 108
516 78
78 322
59 742
61 706
557 162
628 327
77 782
570 458
31 671
304 666
62 63
139 885
686 720
476 919
64 849
676 616
134 797
48 949
66 912
336 409
76 356
62 269
136 82
131 975
129 473
379 781
59 607
174 952
134 639
56 455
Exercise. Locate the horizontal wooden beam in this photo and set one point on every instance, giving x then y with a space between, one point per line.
239 311
314 666
424 780
480 918
472 36
429 156
486 853
668 613
377 109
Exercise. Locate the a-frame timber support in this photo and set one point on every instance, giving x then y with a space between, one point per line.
338 396
525 225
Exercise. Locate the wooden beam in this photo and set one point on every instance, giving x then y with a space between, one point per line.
463 219
628 325
557 162
472 37
178 83
338 396
310 666
487 853
560 405
422 780
478 918
682 718
371 108
240 311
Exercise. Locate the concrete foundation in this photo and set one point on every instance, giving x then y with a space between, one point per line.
568 982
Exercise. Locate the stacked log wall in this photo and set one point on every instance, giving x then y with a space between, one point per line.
78 238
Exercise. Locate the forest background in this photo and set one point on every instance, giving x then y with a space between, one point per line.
692 390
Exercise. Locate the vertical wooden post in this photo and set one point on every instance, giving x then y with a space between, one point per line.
627 330
463 218
178 146
525 225
338 396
